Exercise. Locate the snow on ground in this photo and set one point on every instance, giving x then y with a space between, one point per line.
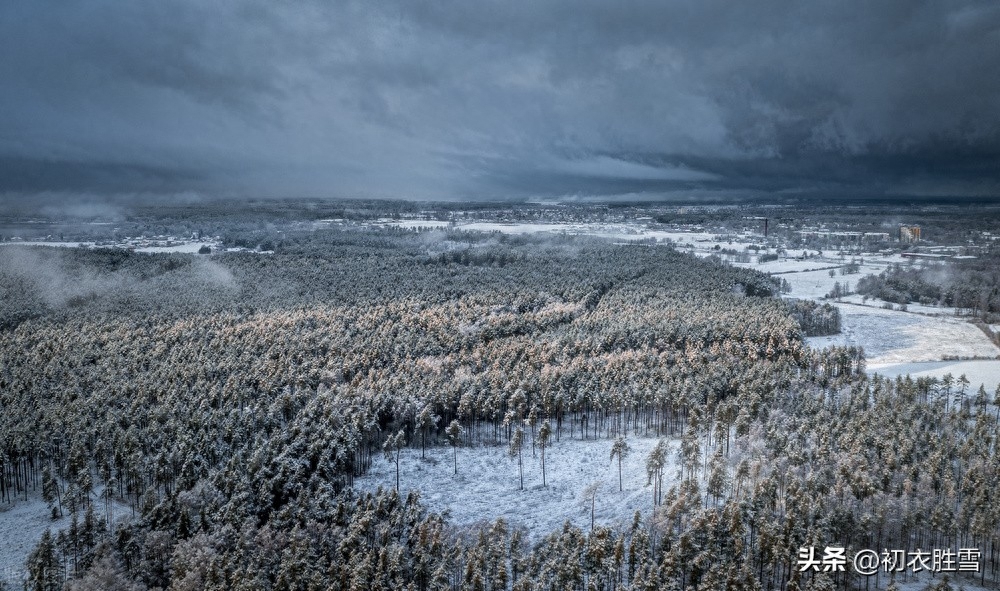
789 266
816 283
920 334
623 232
22 524
894 337
704 241
810 278
46 243
978 372
922 308
486 486
859 300
525 228
504 228
411 224
189 247
920 581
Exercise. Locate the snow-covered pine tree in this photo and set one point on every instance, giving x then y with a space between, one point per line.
620 450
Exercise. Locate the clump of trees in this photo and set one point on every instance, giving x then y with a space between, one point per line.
970 286
902 285
816 319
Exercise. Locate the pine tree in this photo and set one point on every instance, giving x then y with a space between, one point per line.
544 433
44 573
620 449
996 401
590 499
454 433
514 449
981 399
532 421
50 492
393 448
426 420
655 463
718 477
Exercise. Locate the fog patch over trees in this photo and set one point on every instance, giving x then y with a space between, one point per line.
57 280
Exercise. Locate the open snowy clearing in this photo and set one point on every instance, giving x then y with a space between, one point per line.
789 266
894 337
22 524
908 581
978 372
188 247
889 337
817 283
926 310
412 224
486 486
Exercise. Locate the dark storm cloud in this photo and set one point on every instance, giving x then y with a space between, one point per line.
490 99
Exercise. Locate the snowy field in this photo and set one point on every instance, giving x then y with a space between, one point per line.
789 266
893 337
922 581
984 372
816 284
810 278
188 247
486 486
889 337
22 524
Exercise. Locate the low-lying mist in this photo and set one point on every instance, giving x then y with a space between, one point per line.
57 280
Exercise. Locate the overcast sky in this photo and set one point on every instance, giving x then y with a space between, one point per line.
508 98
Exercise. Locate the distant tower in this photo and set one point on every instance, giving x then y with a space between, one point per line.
765 227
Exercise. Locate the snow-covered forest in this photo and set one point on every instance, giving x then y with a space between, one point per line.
206 421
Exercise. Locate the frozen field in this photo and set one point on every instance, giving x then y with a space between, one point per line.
189 247
889 337
22 524
893 337
818 283
811 278
486 486
978 372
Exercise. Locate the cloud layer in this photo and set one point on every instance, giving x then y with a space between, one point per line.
487 99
